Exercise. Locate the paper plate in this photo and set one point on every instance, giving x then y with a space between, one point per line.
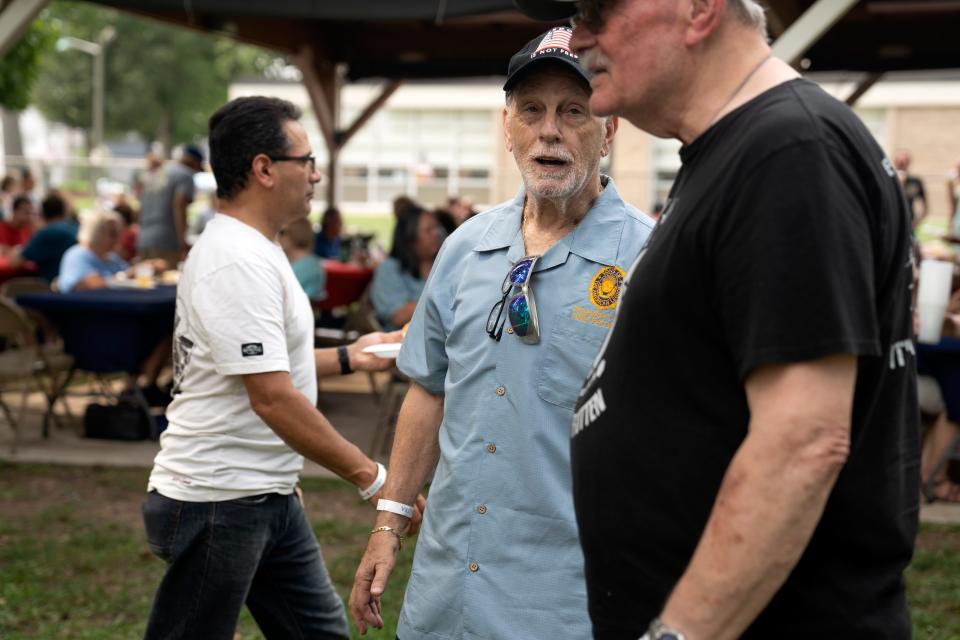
384 350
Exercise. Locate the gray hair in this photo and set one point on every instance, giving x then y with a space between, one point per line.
750 13
93 227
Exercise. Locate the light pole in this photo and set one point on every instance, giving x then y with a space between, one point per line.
96 50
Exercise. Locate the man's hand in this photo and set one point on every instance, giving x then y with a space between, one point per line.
377 564
371 580
360 361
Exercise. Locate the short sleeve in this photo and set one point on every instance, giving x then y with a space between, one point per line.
36 250
792 268
388 293
423 357
240 308
184 186
74 268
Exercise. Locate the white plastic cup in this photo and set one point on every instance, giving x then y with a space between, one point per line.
931 322
144 273
933 297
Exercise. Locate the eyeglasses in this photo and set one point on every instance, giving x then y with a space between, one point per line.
304 159
592 14
521 308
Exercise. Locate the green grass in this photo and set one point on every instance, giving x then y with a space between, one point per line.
933 583
72 569
74 562
379 224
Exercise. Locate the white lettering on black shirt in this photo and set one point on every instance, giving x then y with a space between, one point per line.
592 409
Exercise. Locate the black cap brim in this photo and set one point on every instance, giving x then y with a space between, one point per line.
547 9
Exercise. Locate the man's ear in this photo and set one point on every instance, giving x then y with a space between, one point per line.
262 169
610 126
704 19
506 131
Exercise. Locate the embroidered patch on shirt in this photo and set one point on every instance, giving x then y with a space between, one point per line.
605 287
251 349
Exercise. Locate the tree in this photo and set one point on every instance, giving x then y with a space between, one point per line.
162 82
20 67
18 72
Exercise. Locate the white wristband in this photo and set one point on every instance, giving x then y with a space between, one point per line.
398 508
367 493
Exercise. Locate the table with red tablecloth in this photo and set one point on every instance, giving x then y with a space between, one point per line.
346 282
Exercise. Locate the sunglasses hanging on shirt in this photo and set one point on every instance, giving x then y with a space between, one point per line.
521 309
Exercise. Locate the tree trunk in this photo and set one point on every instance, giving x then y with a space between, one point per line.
12 142
164 133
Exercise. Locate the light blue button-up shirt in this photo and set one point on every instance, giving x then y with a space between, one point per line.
498 556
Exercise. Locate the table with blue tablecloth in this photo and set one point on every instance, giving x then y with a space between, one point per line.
110 330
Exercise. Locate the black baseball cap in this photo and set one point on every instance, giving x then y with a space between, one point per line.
553 46
547 9
193 151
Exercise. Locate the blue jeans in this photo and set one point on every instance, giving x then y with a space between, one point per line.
259 551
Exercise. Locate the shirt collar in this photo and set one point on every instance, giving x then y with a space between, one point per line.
596 238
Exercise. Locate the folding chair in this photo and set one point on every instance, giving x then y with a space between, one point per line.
20 363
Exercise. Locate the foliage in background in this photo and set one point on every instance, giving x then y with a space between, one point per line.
162 81
20 67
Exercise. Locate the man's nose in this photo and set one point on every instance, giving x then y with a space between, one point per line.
550 128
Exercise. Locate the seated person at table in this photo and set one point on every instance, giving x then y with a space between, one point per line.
89 264
941 366
127 243
327 244
297 240
48 245
16 232
399 279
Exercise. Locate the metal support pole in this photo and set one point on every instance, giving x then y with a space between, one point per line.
98 73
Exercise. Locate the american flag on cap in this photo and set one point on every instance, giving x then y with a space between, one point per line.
558 38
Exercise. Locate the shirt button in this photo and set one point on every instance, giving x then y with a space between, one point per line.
501 390
491 448
509 329
482 508
474 567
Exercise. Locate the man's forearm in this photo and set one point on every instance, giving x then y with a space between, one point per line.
327 361
763 518
309 433
416 448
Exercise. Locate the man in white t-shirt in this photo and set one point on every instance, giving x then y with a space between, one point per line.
222 510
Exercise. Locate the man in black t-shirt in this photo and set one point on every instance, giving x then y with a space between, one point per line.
744 452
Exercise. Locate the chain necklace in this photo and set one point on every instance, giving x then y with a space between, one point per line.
739 88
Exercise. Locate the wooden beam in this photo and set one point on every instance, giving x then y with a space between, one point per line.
388 90
15 18
868 81
810 27
319 100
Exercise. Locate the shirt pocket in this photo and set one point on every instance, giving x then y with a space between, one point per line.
568 356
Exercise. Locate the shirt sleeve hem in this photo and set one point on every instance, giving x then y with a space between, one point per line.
261 366
780 355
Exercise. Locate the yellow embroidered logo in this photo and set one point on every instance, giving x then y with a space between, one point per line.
605 287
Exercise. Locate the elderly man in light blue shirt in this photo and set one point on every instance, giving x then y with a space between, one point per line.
513 314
